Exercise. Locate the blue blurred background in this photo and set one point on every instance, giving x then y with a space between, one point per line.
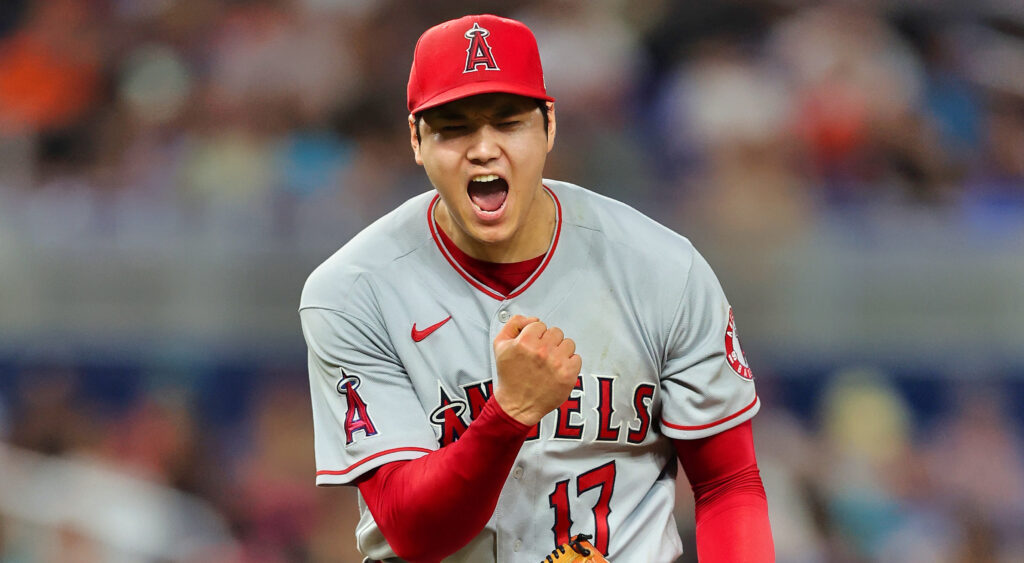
172 170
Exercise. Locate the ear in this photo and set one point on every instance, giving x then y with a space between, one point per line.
551 125
414 140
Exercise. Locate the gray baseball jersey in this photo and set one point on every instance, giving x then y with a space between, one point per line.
401 361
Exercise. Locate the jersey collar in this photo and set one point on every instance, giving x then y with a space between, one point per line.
432 224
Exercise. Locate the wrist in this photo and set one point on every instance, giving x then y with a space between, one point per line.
514 413
508 418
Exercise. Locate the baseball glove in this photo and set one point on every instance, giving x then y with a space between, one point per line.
578 550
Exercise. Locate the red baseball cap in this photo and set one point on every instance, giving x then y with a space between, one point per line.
474 55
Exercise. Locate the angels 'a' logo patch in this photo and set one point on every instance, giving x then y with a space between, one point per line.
733 351
479 51
357 417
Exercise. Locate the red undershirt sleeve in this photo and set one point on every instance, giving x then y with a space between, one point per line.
731 507
428 508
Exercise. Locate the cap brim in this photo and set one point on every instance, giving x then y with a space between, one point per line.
474 88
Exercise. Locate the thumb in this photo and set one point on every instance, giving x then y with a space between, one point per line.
513 327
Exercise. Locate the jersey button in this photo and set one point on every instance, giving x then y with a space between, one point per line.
517 545
517 472
504 316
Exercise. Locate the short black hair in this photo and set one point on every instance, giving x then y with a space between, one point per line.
542 105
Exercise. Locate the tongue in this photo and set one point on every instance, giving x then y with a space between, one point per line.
488 196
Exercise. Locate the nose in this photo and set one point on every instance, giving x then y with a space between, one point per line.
484 146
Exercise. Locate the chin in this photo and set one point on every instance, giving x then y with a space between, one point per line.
492 234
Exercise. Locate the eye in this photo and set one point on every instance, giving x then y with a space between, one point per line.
507 124
453 128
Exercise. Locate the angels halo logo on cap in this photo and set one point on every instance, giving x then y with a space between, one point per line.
446 68
479 52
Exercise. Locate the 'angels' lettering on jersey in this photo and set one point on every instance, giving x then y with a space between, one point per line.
452 417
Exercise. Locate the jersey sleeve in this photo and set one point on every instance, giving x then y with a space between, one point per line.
365 411
706 384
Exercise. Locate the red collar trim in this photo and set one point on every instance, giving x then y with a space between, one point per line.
432 224
522 269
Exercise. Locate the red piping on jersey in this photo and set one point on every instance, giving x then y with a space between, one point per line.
551 252
486 290
366 459
710 424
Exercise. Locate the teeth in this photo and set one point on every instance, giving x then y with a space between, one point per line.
484 178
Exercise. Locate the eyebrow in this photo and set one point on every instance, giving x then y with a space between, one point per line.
504 111
448 115
509 110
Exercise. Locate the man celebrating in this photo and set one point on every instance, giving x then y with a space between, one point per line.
507 362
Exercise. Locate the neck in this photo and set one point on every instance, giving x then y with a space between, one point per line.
530 241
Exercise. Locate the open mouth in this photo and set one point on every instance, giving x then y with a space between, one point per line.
488 193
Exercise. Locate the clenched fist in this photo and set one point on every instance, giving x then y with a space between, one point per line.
537 368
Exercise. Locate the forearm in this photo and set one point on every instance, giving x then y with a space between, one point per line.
732 523
731 506
430 507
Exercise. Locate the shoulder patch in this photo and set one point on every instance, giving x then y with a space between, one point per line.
357 418
733 351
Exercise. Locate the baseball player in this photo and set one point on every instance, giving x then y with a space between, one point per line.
506 362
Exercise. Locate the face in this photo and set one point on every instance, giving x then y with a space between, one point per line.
485 155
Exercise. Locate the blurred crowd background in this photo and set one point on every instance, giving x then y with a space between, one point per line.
172 170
